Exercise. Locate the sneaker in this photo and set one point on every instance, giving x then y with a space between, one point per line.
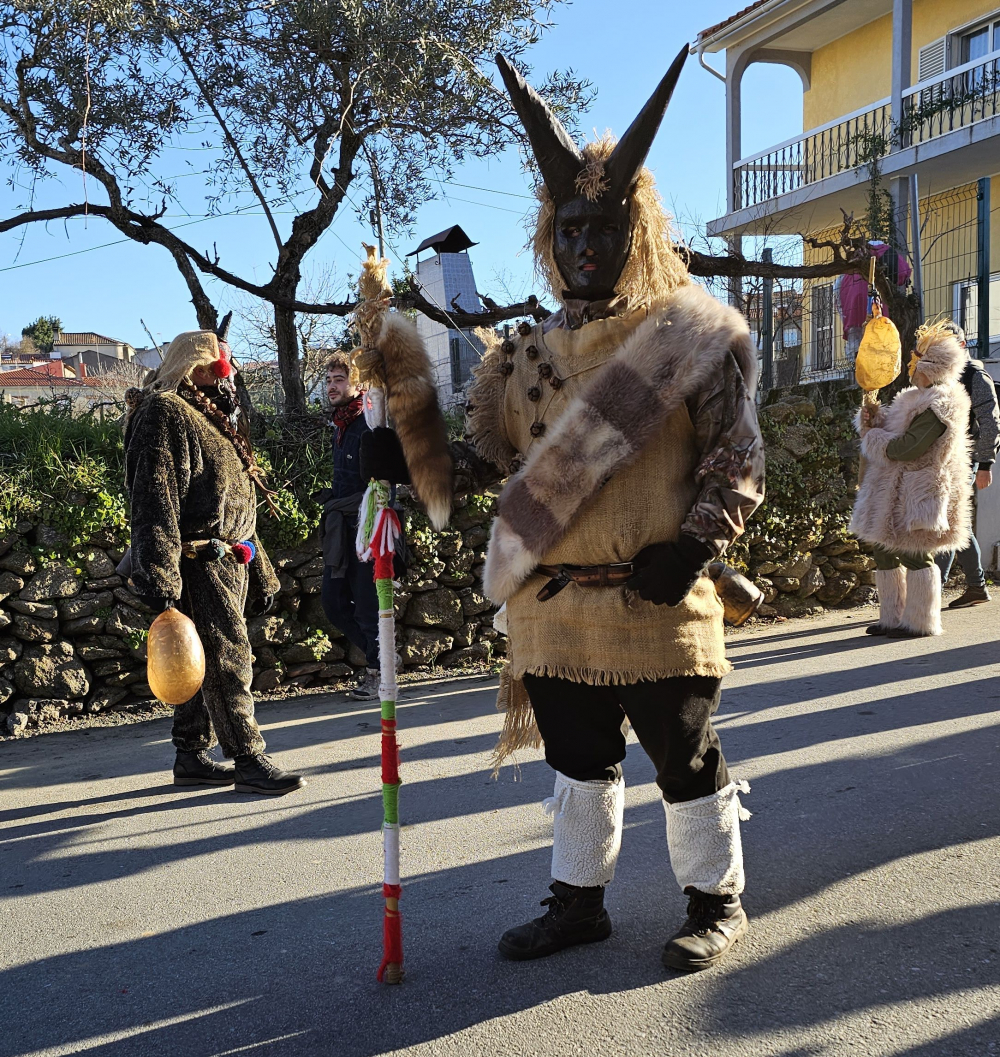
367 688
257 774
714 924
202 768
575 915
973 596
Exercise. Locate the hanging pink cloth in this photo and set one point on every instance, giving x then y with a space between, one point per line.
854 290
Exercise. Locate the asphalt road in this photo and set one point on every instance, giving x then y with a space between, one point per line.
136 919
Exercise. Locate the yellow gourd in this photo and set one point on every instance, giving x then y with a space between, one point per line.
879 359
175 658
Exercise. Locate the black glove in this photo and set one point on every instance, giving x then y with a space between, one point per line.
665 572
382 457
259 605
155 603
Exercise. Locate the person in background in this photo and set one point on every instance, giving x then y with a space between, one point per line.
191 477
913 502
984 431
348 595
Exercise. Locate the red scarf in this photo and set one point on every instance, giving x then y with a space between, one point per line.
344 415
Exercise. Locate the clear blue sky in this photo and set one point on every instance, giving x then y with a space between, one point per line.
622 47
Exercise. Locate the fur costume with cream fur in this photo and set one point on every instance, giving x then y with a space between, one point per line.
923 505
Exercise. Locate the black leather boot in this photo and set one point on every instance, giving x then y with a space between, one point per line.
257 774
575 915
202 768
714 924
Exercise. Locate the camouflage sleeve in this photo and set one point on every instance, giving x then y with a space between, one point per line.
730 472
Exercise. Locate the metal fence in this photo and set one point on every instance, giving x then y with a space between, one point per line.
965 95
825 151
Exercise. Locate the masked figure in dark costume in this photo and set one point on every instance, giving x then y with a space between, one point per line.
191 476
628 424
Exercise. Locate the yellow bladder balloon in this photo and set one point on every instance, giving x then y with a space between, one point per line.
879 361
175 663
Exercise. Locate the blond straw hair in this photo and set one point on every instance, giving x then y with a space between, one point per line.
193 348
653 271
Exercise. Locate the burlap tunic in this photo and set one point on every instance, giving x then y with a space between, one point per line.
606 635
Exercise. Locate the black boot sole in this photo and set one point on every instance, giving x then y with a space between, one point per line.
520 954
672 960
204 781
242 787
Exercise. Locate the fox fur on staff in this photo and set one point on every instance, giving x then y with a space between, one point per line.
394 358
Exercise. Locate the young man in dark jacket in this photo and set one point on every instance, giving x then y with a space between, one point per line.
984 430
349 598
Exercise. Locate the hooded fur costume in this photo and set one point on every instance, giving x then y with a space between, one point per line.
186 482
922 505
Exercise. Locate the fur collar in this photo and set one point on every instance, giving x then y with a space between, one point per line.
667 359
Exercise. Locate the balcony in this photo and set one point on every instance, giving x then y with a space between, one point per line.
791 184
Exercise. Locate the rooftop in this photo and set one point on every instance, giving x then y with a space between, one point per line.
729 21
451 240
46 374
86 337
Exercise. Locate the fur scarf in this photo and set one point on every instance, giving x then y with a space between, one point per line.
667 359
923 505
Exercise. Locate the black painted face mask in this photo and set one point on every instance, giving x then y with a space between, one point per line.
223 395
592 235
591 242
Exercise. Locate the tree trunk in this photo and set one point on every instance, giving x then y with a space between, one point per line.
287 341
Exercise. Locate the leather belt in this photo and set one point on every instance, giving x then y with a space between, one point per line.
584 575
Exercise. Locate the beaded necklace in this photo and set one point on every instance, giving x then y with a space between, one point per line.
221 421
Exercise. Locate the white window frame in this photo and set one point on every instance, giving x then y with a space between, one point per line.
827 331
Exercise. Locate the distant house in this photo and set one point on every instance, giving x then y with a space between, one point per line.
95 351
49 380
446 280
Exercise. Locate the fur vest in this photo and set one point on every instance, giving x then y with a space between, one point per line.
924 505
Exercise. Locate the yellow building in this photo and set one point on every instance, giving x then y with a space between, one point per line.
911 85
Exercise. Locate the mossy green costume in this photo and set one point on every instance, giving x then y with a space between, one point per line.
187 482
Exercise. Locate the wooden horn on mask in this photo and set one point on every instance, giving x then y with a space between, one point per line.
625 163
559 159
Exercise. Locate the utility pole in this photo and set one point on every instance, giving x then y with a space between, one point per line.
983 279
767 327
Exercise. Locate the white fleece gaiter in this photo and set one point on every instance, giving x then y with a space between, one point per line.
703 838
587 819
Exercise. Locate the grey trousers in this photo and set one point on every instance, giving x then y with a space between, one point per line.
222 711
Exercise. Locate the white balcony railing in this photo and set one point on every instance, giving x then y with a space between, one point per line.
933 108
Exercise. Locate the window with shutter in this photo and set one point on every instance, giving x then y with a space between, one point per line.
931 59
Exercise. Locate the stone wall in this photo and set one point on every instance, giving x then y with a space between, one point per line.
72 635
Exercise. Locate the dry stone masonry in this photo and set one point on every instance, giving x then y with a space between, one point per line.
72 635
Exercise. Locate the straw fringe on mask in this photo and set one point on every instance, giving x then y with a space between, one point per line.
193 348
653 270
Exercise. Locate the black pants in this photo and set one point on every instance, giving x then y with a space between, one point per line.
672 718
351 604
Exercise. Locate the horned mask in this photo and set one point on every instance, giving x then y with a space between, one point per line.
599 202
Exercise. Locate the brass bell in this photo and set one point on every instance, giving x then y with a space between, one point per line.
531 352
545 370
534 394
524 328
507 347
506 368
537 429
555 381
175 658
